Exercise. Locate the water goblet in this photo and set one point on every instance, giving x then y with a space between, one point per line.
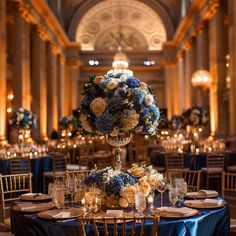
71 185
161 187
173 195
140 202
59 197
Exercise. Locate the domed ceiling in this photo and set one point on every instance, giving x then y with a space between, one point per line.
129 23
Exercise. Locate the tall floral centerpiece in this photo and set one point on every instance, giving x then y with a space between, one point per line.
68 126
118 106
23 120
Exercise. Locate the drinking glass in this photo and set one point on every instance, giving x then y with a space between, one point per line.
59 197
161 187
71 185
140 202
91 202
182 187
173 195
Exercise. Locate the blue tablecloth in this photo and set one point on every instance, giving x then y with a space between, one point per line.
38 166
191 160
214 222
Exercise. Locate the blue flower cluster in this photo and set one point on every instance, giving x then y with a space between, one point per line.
68 123
112 184
23 119
115 103
176 122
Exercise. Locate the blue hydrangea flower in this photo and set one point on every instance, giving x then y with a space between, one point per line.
132 82
137 95
115 104
104 123
155 112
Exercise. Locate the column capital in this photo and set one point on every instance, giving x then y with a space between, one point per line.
54 48
42 32
187 44
180 55
200 26
62 59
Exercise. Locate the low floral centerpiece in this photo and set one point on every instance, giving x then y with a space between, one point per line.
117 106
176 122
195 116
120 187
68 125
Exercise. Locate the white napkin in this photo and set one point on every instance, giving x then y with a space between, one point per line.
25 206
179 212
204 203
208 192
212 202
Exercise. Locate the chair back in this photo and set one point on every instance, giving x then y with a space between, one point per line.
192 178
229 191
215 161
133 226
19 165
78 174
58 162
11 187
174 161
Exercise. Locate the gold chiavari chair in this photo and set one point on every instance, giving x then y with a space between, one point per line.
229 193
11 187
119 225
174 161
58 169
192 178
19 165
214 167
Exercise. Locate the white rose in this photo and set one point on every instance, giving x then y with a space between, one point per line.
149 99
112 84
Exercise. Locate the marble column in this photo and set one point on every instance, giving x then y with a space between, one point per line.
52 88
189 70
180 93
75 87
39 88
170 77
202 60
3 71
218 51
21 63
63 109
232 68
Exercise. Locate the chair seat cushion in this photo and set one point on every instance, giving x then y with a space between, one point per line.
72 167
232 168
7 223
51 173
212 170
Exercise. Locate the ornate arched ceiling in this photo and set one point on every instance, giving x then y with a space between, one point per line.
141 27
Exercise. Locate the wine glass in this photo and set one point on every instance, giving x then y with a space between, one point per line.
161 187
140 202
182 187
173 195
71 186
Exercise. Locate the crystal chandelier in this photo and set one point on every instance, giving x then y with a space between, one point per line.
201 78
120 62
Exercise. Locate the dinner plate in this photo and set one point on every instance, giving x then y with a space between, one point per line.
201 195
30 207
200 204
171 212
61 214
35 197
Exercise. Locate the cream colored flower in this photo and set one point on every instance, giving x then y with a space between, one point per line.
145 189
84 123
112 84
149 99
98 79
123 202
131 121
143 86
123 77
98 106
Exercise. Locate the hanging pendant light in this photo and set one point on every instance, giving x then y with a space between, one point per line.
201 78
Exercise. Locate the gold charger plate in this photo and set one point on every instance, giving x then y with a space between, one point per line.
30 207
61 214
200 204
170 212
35 197
199 195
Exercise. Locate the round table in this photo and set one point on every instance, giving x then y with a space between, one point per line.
214 222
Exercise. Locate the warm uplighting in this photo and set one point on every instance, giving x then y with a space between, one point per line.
201 78
9 110
120 64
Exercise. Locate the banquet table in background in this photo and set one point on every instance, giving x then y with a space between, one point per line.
193 161
214 222
38 166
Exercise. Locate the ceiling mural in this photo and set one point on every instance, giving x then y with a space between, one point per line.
129 23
